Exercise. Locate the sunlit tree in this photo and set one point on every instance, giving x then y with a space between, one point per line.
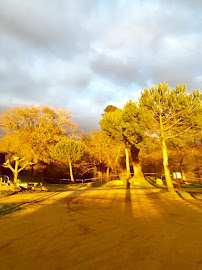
19 165
170 113
102 153
31 131
68 151
134 132
110 108
112 128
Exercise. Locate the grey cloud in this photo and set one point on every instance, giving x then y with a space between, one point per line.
48 24
65 53
89 121
3 106
117 69
31 77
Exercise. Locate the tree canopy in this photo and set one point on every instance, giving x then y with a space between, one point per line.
170 113
32 131
164 123
110 108
68 151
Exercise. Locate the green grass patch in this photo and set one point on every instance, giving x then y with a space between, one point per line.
63 187
76 186
8 208
24 178
56 187
116 183
98 184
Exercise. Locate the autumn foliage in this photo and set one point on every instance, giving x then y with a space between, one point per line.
153 134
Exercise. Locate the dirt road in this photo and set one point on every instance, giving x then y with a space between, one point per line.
105 229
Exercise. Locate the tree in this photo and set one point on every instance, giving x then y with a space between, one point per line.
170 113
134 133
16 168
110 108
68 151
126 126
112 128
31 131
102 155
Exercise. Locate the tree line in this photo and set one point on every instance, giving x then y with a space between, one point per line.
154 133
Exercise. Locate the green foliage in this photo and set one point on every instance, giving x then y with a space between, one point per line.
110 108
127 125
68 151
111 126
8 208
134 124
171 112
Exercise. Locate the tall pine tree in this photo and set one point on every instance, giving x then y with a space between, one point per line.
170 113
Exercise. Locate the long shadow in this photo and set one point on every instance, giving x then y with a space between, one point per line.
73 196
180 195
128 201
71 199
132 235
193 194
153 184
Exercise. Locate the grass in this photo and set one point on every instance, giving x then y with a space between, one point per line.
56 187
24 178
8 208
63 187
98 184
7 192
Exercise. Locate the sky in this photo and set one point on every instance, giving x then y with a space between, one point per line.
83 55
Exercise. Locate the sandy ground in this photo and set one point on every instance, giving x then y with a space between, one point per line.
104 229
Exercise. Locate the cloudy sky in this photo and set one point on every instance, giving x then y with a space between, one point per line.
83 55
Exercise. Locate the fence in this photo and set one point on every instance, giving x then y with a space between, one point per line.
190 180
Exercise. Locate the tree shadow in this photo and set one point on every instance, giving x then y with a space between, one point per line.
188 201
193 194
128 201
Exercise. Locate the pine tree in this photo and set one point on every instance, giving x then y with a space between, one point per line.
112 128
170 113
134 132
68 151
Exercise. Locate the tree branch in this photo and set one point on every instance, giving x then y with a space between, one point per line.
8 165
26 164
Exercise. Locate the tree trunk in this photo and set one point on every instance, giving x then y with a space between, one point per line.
15 173
107 174
137 170
127 163
182 170
136 163
184 178
71 173
34 167
166 169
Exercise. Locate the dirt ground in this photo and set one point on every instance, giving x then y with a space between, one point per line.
114 229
